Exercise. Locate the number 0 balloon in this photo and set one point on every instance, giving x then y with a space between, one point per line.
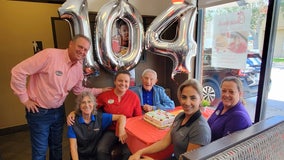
183 47
109 49
75 12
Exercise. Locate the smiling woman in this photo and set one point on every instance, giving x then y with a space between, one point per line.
212 76
184 134
119 100
89 126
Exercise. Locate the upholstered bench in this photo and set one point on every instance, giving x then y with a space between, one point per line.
263 140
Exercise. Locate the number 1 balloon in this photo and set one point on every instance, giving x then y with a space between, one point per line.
183 47
106 19
75 12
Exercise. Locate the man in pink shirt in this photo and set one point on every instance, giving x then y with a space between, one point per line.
52 74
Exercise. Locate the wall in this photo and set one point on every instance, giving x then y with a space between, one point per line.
21 23
24 22
145 7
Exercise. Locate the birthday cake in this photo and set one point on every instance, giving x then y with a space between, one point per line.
159 118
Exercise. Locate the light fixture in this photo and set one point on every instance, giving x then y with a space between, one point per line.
177 1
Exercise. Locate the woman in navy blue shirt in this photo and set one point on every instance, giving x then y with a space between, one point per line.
89 126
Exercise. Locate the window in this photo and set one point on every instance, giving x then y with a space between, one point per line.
232 41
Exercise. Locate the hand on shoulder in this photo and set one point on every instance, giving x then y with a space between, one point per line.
106 89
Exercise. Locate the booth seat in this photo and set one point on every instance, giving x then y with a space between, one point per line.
262 141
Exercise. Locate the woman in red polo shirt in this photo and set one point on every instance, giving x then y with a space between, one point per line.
119 100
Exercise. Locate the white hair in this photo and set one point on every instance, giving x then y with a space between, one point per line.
151 71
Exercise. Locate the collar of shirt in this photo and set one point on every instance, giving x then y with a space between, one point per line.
194 117
228 112
81 119
68 60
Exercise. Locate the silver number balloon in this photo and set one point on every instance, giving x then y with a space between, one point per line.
183 47
75 12
105 20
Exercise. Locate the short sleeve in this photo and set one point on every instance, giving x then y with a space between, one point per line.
106 120
70 132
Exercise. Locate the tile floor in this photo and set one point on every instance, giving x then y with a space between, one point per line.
17 146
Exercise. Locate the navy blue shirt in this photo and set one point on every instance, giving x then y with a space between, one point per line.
88 135
147 96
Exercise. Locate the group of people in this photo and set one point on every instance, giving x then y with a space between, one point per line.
121 100
43 81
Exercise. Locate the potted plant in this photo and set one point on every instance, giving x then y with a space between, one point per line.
204 103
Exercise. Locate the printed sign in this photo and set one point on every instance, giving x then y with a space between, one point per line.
230 40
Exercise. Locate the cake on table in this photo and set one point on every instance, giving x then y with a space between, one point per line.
159 118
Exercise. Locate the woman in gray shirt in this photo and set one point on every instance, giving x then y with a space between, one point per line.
190 129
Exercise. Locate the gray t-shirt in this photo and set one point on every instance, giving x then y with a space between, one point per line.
198 132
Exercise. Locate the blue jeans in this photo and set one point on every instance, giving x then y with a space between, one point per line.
46 129
105 145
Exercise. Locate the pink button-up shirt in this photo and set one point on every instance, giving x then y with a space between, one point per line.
51 76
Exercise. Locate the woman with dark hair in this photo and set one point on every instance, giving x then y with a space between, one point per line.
230 115
119 100
190 129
